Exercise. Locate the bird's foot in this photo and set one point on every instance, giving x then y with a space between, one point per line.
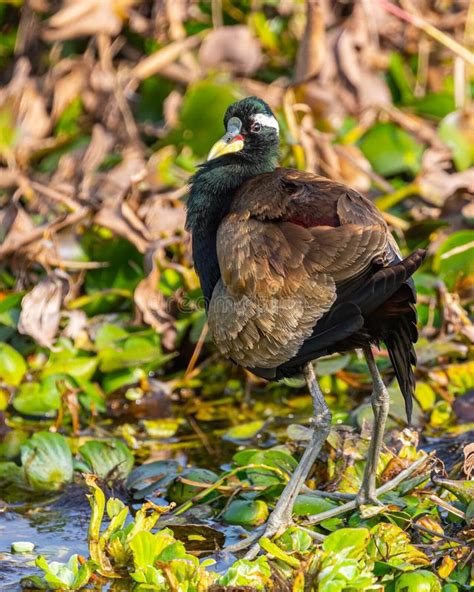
275 526
367 497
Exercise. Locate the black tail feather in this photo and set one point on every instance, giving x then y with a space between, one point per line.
399 342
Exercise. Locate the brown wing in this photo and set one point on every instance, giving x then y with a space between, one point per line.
279 276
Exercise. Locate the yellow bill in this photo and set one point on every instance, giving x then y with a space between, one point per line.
226 145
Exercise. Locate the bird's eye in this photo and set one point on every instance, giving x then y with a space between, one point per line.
256 127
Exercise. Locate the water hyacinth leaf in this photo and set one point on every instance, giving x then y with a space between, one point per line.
391 545
145 547
338 573
454 259
246 512
245 431
353 541
12 365
274 466
108 458
11 444
309 505
203 126
135 351
149 477
47 462
390 150
332 364
121 378
70 575
455 131
180 492
76 366
418 581
243 572
39 398
108 334
295 539
161 428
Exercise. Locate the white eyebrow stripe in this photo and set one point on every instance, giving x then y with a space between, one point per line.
267 120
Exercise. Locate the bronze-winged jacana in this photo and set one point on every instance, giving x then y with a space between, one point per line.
294 266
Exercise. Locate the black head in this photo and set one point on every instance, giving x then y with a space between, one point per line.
252 132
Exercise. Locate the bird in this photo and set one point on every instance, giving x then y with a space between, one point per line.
294 266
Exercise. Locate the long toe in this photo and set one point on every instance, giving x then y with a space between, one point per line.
365 498
274 527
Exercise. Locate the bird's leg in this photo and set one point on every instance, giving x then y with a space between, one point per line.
280 518
380 404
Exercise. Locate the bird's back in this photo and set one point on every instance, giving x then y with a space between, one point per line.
309 267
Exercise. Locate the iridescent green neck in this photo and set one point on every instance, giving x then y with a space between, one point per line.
212 190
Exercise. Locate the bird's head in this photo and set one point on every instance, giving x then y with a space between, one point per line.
252 132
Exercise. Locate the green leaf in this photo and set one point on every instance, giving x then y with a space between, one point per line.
309 505
12 365
113 381
245 431
47 461
353 541
391 545
43 398
180 492
418 581
202 126
454 131
108 458
248 573
454 259
66 575
391 151
295 539
78 367
108 334
146 547
136 351
246 512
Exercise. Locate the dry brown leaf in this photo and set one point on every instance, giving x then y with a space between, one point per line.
469 460
100 144
68 88
116 183
15 226
123 222
155 62
24 108
231 48
41 310
437 185
162 217
312 48
87 17
76 325
151 303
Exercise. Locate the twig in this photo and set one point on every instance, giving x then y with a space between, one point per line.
448 507
347 507
38 233
197 350
429 29
332 495
440 535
